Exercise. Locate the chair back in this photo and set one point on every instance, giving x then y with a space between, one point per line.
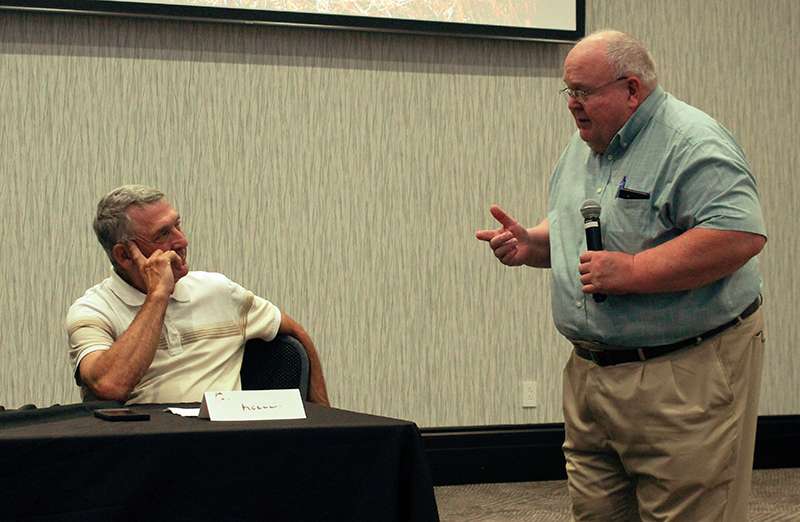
279 364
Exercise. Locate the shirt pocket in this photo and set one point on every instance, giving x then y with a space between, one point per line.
630 225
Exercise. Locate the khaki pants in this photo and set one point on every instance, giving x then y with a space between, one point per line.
668 439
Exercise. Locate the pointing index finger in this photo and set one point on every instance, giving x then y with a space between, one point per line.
500 215
136 254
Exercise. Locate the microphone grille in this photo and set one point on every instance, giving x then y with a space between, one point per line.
590 209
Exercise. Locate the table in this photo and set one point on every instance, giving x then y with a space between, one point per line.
62 463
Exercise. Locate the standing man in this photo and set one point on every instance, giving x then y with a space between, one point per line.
661 390
154 332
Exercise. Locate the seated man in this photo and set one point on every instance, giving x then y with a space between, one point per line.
153 332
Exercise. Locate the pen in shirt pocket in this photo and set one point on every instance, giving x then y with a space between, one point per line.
626 193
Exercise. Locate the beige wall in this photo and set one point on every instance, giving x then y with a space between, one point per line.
342 175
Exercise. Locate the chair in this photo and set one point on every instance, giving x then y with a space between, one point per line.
278 364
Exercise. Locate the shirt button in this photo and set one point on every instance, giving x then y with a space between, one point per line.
579 304
599 190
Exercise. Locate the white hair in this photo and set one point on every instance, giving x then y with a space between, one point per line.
627 56
112 224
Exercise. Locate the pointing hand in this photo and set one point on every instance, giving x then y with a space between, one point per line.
511 243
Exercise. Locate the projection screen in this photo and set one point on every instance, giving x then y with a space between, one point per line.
548 20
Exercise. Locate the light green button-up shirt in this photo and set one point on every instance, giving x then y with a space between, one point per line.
696 176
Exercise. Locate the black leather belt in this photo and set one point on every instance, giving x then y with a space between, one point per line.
601 356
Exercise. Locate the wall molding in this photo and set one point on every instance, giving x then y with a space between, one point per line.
532 452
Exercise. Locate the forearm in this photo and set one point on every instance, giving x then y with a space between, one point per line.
539 256
317 389
694 259
114 373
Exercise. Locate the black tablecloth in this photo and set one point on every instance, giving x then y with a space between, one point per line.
62 463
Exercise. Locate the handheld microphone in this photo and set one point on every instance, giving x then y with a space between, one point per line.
590 210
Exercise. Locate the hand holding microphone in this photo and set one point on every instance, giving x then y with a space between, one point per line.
613 272
590 210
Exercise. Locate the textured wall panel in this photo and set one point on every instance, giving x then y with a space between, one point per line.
342 175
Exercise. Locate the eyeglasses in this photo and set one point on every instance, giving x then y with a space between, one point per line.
162 236
582 94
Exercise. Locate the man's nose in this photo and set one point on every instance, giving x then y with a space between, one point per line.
179 239
573 104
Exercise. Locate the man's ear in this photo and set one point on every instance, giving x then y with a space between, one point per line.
636 92
121 255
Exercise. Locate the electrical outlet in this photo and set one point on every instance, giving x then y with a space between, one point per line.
528 394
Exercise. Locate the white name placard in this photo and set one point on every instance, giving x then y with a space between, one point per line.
252 405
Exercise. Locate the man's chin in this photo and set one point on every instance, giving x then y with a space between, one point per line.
591 141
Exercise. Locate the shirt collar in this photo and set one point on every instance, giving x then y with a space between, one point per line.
638 120
133 297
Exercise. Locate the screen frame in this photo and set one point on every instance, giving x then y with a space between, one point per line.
303 19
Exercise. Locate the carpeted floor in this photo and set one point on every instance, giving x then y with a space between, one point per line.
775 498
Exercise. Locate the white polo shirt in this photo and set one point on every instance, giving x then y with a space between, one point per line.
208 320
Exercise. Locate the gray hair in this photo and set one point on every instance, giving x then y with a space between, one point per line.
628 56
112 224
